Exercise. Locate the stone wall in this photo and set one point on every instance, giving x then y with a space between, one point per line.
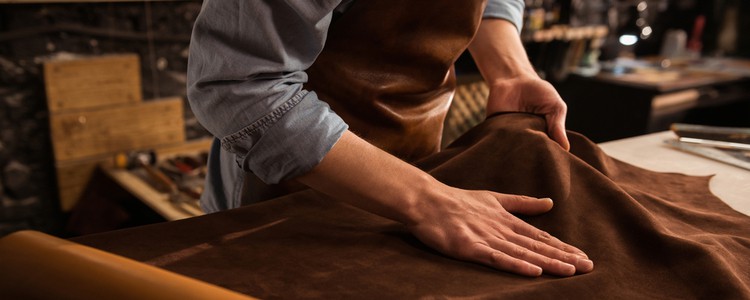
33 33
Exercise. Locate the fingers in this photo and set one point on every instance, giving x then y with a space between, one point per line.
524 205
486 255
536 246
551 257
524 256
538 241
507 256
486 232
548 264
556 129
524 229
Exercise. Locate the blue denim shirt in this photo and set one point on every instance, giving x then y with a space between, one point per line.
245 74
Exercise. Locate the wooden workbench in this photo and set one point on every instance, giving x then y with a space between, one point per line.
730 183
160 202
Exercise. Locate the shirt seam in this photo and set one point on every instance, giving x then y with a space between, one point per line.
262 123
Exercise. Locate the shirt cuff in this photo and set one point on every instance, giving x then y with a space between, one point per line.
293 144
508 10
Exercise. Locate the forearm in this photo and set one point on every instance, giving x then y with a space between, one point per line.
498 52
356 172
514 85
469 225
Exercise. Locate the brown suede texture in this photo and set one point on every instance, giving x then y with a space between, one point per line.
651 235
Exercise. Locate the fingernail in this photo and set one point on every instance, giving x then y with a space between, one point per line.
535 270
569 269
586 265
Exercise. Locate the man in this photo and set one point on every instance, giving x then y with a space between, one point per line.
384 68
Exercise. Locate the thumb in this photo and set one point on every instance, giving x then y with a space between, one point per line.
556 130
525 205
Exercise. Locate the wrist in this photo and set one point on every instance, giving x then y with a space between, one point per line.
512 81
417 195
499 53
394 189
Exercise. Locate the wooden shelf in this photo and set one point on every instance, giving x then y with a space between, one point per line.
133 182
565 33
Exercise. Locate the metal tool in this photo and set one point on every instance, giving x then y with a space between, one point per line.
717 144
181 195
736 158
714 133
146 160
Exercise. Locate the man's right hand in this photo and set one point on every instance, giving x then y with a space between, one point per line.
476 226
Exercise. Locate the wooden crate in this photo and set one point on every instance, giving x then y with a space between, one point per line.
73 177
92 82
96 110
83 140
85 134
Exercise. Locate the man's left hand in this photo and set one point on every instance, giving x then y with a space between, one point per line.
531 95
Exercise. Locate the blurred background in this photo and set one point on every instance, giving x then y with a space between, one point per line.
90 88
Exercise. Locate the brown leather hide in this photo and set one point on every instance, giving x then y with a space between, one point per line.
651 235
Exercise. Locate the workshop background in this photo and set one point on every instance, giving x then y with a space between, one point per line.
564 39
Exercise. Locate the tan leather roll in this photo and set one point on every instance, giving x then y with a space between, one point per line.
34 265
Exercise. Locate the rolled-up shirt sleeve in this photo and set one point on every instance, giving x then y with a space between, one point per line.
245 83
511 10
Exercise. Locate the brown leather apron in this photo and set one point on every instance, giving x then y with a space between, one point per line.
387 70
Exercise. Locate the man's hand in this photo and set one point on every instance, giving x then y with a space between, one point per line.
475 226
531 95
514 85
478 226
